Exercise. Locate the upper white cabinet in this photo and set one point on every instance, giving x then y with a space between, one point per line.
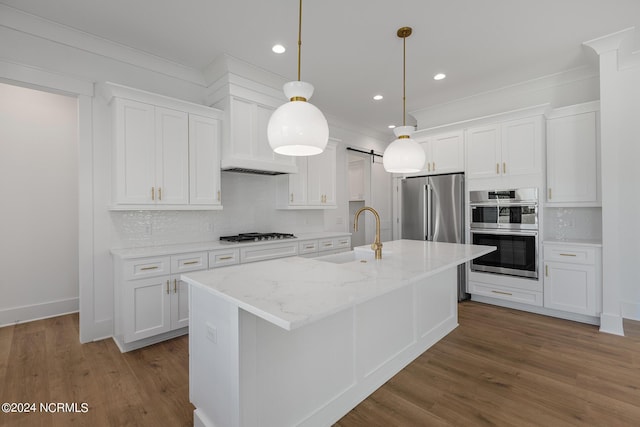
152 154
505 149
444 153
166 152
572 157
204 151
314 186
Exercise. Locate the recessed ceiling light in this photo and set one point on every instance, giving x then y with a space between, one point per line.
391 126
278 48
378 97
439 76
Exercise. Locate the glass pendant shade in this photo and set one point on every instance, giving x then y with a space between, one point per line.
298 128
403 155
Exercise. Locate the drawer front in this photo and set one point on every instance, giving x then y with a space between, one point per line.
265 252
308 247
570 254
146 267
326 245
509 294
189 262
220 258
342 242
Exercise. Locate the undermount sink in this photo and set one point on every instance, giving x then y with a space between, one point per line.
363 255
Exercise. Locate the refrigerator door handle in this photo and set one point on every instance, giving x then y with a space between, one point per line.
427 210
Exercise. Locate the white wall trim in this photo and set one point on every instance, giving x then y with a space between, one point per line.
39 27
28 313
631 310
611 324
38 78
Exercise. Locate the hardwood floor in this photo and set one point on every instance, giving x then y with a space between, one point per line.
500 367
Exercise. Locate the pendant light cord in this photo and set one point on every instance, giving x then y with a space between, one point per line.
404 79
299 38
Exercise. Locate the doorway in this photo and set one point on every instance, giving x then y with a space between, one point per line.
39 189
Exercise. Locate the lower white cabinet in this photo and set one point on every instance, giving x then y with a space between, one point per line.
573 279
146 308
179 291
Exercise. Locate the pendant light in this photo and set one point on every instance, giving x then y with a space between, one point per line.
403 155
298 128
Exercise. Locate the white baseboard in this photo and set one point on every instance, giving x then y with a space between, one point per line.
28 313
611 324
631 310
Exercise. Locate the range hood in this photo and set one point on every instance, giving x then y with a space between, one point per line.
248 96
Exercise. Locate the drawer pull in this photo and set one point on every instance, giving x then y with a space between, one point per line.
155 267
167 287
309 247
224 258
191 262
546 270
175 286
328 244
568 255
344 242
502 293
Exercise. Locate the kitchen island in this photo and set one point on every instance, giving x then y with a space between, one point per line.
298 341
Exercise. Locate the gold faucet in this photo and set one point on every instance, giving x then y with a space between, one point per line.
377 245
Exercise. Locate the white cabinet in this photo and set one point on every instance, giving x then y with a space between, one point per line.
356 179
152 154
505 149
572 159
314 186
444 153
150 297
204 161
572 278
165 152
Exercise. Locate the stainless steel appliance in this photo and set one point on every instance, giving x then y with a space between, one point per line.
507 219
256 237
433 209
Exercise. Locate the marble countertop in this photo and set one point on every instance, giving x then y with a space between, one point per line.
163 250
574 242
292 292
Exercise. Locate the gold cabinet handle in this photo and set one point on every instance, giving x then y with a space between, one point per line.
167 287
159 193
153 193
502 293
155 267
428 166
497 168
224 258
434 166
504 167
309 247
218 195
546 270
328 244
191 262
549 194
292 197
568 255
175 286
344 242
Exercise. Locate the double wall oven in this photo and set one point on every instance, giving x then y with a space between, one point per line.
507 219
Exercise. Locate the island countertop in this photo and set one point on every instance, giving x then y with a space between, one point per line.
292 292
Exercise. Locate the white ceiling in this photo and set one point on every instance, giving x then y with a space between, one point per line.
350 49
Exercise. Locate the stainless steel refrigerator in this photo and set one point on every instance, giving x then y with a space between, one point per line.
433 209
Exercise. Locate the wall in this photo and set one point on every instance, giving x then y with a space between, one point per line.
38 187
572 223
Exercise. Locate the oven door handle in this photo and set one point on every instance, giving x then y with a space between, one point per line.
503 232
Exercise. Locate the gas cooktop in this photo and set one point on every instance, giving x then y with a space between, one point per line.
257 237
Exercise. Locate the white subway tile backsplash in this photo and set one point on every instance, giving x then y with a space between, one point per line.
573 223
248 205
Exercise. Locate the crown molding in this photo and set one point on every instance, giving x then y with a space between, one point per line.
33 25
609 42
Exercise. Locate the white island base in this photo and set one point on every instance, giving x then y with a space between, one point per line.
251 368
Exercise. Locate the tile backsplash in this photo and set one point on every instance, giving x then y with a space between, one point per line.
249 205
573 223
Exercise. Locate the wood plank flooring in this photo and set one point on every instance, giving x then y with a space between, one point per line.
500 367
